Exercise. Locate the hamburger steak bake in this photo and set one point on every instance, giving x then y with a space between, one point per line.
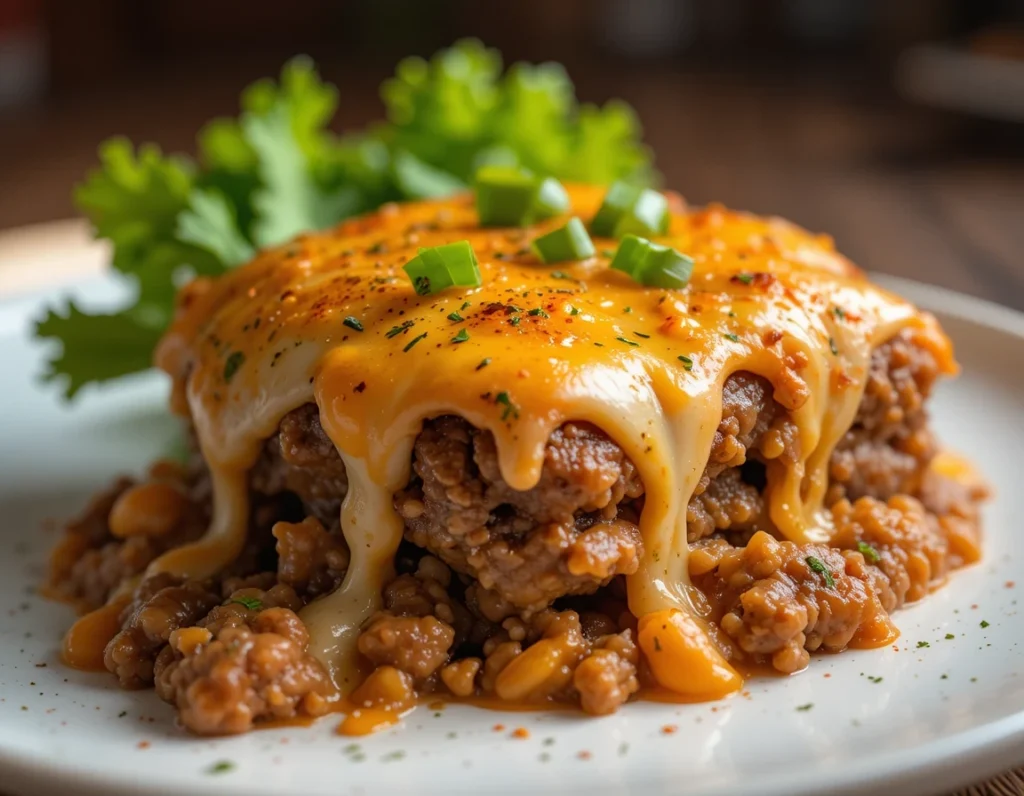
537 443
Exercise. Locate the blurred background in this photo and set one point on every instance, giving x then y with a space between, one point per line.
895 125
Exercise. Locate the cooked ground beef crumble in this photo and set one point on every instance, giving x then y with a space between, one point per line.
519 595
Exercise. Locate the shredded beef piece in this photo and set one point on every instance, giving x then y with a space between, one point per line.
162 603
246 672
301 459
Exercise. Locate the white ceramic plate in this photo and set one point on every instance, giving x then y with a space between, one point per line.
941 715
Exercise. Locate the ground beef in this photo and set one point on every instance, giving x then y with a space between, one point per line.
226 680
774 600
90 562
416 645
309 558
161 604
300 459
887 449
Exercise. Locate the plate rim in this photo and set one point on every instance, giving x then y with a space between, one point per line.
943 764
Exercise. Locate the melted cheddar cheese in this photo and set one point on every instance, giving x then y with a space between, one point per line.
546 344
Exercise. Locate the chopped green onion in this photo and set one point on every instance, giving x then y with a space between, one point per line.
564 275
573 310
514 320
817 565
353 322
641 334
440 267
461 337
630 209
507 196
840 313
687 362
734 337
868 552
484 363
832 345
465 305
537 311
746 279
627 341
454 316
568 242
652 264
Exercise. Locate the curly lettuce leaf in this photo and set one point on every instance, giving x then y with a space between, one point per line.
209 222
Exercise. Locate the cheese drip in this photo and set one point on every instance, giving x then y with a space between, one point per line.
546 344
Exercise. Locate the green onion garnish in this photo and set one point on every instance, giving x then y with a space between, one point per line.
537 311
746 279
627 341
461 337
568 242
250 603
484 363
454 316
507 196
840 313
465 305
832 345
817 565
641 334
440 267
353 322
573 310
734 337
630 209
687 362
652 264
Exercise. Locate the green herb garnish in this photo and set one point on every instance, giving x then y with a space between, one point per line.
250 603
733 337
832 345
396 330
537 312
413 342
483 363
510 410
232 364
221 767
687 362
817 565
806 707
746 279
949 636
353 323
461 337
454 316
627 341
984 624
642 335
869 553
839 312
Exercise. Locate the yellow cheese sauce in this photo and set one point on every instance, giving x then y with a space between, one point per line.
546 344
